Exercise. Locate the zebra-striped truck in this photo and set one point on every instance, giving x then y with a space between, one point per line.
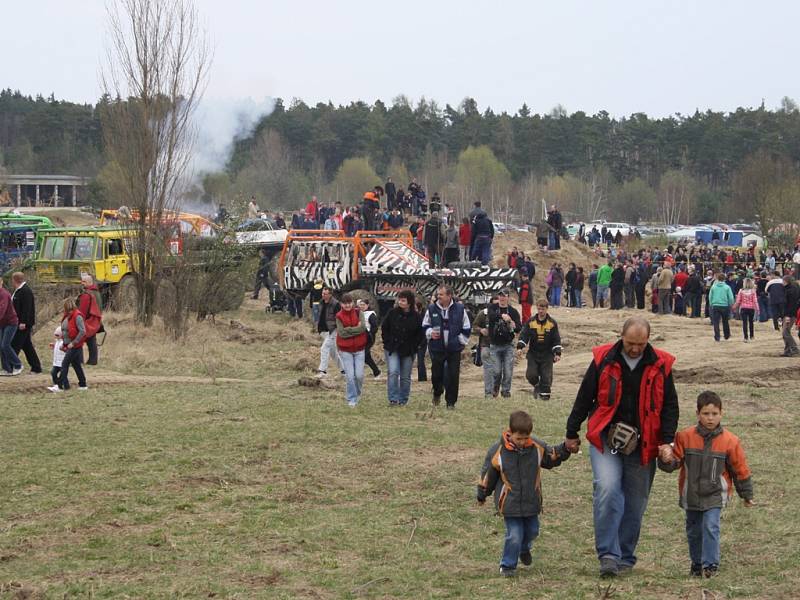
382 263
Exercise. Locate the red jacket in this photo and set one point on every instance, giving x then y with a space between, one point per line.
464 234
72 328
651 400
680 279
350 318
92 315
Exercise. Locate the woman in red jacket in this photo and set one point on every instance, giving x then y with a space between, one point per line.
464 237
351 340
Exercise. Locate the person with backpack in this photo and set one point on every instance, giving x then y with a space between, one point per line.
89 302
504 325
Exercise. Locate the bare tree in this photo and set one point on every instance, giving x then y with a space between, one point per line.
154 75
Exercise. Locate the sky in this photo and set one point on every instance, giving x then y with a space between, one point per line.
658 57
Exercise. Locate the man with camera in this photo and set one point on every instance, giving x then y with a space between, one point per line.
629 397
504 325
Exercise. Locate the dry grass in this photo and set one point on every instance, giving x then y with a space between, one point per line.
255 487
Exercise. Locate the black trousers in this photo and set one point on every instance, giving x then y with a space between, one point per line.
73 358
369 361
91 346
640 296
445 373
540 372
22 341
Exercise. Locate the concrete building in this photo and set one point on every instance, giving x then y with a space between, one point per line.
46 190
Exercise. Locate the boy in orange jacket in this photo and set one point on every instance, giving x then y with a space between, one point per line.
712 463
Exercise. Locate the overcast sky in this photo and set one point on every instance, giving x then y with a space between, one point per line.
658 57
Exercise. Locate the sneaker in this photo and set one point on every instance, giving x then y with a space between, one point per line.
488 397
32 372
450 407
321 374
54 388
17 371
535 392
543 396
83 388
608 567
696 570
506 394
710 571
525 558
624 568
507 572
352 404
495 392
5 373
437 399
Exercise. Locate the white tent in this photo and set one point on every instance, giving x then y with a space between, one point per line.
753 238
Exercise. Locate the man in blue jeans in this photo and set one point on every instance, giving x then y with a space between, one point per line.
626 436
11 364
504 325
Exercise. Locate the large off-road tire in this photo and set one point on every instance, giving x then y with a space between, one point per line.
123 295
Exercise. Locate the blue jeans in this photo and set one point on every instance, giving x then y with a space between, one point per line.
353 366
520 533
10 360
621 488
602 295
577 301
702 532
399 383
482 249
763 310
503 366
555 295
488 371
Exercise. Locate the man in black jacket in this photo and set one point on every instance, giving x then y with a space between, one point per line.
693 293
326 327
391 192
25 307
792 293
482 236
540 335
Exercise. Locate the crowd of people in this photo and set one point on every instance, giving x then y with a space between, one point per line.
81 322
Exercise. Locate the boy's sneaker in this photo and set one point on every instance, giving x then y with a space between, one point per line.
608 567
54 388
508 572
696 570
525 558
710 571
322 374
16 371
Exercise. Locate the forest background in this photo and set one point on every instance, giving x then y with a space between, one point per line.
741 166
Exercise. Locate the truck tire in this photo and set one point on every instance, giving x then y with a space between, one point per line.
123 295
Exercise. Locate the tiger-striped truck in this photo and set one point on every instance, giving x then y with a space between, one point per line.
381 263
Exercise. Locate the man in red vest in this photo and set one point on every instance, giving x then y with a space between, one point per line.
629 397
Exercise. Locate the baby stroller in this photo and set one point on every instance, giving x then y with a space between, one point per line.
277 299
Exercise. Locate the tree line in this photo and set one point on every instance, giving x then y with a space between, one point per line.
681 168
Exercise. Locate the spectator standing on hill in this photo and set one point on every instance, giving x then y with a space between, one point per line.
693 293
391 194
556 283
447 329
464 237
593 284
540 335
569 281
577 291
401 332
617 287
451 243
11 364
25 307
351 341
482 236
625 435
434 237
525 295
504 325
554 221
630 284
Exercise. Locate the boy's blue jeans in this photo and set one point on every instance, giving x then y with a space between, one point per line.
520 533
702 532
621 489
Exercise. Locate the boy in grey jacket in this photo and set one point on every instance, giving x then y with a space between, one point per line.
512 470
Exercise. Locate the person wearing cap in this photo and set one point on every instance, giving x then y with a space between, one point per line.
540 335
504 325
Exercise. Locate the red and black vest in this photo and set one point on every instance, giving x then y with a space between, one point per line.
651 399
72 328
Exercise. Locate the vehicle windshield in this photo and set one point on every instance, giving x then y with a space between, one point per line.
53 247
81 248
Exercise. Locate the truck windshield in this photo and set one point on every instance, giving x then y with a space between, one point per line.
81 248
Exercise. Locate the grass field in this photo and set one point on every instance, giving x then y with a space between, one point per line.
263 489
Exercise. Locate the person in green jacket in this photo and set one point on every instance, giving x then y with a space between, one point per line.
603 281
720 298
